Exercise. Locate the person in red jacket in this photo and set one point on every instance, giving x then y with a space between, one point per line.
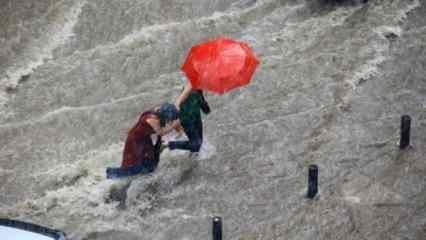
142 148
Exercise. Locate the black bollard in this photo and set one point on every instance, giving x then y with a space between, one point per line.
217 228
312 181
405 132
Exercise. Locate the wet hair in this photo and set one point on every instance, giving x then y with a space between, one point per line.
167 113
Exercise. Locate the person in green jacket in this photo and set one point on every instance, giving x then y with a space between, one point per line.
190 103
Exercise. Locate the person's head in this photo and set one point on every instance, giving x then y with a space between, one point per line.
167 113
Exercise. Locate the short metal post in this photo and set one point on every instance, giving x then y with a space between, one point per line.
405 132
217 228
312 181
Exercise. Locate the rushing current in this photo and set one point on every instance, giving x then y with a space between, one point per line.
332 84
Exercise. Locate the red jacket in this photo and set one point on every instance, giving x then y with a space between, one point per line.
139 147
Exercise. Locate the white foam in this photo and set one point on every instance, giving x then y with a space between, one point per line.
39 50
353 199
371 67
403 13
147 33
384 30
207 150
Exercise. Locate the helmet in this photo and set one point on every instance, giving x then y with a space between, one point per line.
168 113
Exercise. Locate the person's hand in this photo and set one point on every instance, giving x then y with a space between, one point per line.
177 107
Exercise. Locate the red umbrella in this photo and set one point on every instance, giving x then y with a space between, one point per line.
219 65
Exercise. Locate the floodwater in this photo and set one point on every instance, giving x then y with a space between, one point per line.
331 86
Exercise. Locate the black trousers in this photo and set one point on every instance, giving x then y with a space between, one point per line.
194 132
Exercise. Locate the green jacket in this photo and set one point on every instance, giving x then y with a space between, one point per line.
190 109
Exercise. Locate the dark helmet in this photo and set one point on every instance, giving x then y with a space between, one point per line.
168 113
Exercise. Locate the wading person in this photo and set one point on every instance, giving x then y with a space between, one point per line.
143 144
190 103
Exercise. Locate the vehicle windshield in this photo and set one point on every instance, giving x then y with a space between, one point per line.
10 233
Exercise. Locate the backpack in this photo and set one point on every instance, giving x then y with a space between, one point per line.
204 104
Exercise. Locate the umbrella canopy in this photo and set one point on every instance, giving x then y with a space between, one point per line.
220 65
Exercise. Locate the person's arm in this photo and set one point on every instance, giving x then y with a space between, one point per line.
176 125
155 124
185 93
